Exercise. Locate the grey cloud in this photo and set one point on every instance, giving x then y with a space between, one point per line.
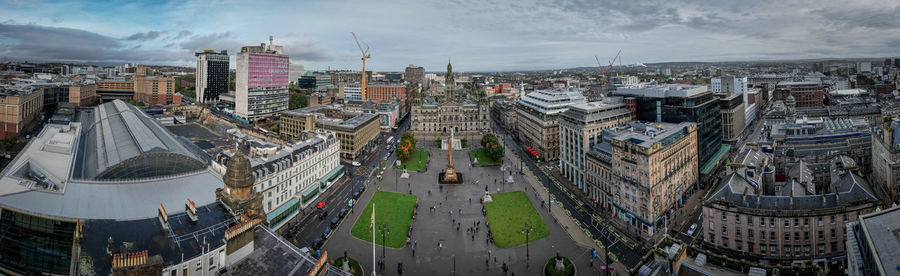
150 35
861 17
213 40
307 51
183 34
43 43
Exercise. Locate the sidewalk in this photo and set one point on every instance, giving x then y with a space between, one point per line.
561 217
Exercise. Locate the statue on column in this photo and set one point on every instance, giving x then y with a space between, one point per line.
449 175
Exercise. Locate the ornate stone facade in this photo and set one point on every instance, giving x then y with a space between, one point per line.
466 114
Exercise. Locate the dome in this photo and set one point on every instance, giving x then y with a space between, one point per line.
790 99
238 172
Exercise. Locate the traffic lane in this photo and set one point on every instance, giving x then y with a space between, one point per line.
312 227
626 255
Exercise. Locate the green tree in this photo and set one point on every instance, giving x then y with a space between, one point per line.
298 100
492 146
407 146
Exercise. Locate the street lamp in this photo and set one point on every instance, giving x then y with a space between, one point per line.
384 231
527 230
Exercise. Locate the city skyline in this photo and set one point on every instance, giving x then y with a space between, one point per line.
479 35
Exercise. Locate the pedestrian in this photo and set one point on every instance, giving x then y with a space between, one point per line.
460 211
454 221
470 201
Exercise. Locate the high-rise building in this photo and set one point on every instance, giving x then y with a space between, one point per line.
684 103
872 243
415 75
579 129
733 116
261 85
211 75
537 123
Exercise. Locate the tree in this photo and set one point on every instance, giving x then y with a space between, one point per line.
298 100
407 146
492 146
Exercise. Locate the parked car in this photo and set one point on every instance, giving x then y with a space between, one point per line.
356 164
317 243
343 212
362 188
692 229
326 233
335 221
356 195
323 214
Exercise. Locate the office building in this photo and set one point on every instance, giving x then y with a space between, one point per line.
754 216
886 160
355 130
416 75
815 141
19 110
684 103
872 243
580 127
643 171
504 113
155 90
109 90
864 67
805 93
211 75
537 119
290 177
353 92
733 116
261 85
376 92
82 94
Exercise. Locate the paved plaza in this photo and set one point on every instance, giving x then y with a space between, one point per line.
472 254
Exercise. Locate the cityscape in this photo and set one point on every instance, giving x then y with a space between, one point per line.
572 138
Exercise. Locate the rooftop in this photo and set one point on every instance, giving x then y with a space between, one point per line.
273 255
349 124
883 230
662 90
645 134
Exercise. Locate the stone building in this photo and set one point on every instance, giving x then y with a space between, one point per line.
537 119
643 171
579 129
753 216
886 160
433 117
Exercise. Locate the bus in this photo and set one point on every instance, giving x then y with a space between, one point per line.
390 140
262 131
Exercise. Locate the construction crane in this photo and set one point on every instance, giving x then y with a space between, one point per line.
604 80
365 56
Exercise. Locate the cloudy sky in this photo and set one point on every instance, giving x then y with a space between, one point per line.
479 35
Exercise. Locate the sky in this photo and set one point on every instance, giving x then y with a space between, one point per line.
478 35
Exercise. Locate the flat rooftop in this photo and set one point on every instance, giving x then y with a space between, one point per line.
883 230
273 255
645 134
662 90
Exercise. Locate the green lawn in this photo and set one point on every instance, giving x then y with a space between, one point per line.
417 162
483 159
508 214
393 209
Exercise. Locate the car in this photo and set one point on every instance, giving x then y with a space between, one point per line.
320 205
356 164
692 229
356 195
335 221
326 233
362 188
392 150
343 212
305 250
385 158
317 243
323 214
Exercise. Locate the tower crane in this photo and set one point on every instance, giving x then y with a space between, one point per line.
365 56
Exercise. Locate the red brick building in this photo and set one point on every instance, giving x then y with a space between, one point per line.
806 93
155 90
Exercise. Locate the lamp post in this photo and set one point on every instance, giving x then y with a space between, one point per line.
384 231
527 231
454 264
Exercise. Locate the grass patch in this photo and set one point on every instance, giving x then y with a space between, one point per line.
508 214
355 268
417 162
483 159
550 268
395 210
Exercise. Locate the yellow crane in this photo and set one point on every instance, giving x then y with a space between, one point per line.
365 56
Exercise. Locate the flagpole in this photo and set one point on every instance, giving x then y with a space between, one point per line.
373 239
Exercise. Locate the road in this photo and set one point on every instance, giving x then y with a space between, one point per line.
306 227
598 230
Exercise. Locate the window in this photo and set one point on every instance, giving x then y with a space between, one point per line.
806 236
749 221
796 222
787 236
821 249
787 223
737 219
787 250
724 230
797 249
821 235
750 234
771 222
820 221
772 235
834 247
762 235
833 233
737 232
211 261
762 248
723 216
773 248
796 236
832 219
805 222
